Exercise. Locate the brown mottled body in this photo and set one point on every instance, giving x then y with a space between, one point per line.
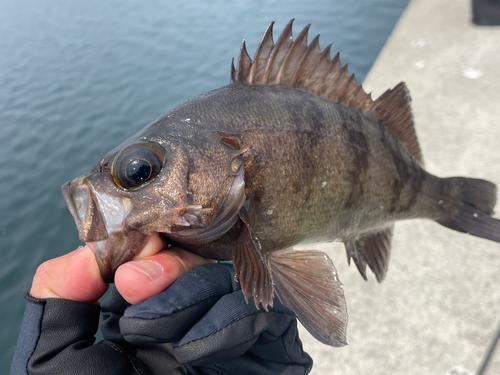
318 170
293 151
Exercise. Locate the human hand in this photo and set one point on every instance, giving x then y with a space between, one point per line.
200 321
203 322
75 276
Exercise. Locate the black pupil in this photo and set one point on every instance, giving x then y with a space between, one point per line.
138 170
137 166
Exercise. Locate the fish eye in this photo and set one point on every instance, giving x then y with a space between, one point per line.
137 165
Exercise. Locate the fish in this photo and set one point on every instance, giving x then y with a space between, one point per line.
292 151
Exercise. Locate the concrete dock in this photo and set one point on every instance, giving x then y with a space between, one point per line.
439 306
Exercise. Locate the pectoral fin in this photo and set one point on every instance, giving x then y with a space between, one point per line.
307 283
251 266
373 249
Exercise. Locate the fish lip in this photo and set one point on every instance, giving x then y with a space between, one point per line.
118 249
80 200
104 264
107 275
66 191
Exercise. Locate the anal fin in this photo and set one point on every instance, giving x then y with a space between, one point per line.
307 283
373 249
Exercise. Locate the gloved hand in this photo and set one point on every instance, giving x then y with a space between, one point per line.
201 324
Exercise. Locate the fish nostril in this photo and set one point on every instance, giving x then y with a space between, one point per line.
81 198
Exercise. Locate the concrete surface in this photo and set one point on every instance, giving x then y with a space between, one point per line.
439 306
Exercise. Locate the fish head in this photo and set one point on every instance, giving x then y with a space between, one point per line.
189 188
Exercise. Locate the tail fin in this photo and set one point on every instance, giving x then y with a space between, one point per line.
471 206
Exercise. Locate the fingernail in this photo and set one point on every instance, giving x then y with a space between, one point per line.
150 268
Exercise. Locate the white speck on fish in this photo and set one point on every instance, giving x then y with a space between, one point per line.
323 184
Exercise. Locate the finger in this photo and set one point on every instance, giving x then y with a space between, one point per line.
74 276
153 246
139 280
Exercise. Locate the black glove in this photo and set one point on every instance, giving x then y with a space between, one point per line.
203 322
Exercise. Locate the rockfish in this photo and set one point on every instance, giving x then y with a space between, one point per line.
292 151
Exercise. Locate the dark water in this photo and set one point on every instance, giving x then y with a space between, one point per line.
78 77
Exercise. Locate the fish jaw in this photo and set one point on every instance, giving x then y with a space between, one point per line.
100 219
83 207
119 248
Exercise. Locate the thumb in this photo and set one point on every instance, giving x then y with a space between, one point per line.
74 276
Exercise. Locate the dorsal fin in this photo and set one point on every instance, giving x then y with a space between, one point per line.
393 108
299 65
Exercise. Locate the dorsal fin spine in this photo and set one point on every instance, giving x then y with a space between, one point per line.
313 48
300 52
265 48
332 91
301 41
295 64
233 71
244 63
351 88
352 95
362 97
344 87
283 41
366 103
324 57
333 76
324 74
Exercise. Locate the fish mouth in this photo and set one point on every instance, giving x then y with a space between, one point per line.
118 249
83 207
100 219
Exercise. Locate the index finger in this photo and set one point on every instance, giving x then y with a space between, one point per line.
153 270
